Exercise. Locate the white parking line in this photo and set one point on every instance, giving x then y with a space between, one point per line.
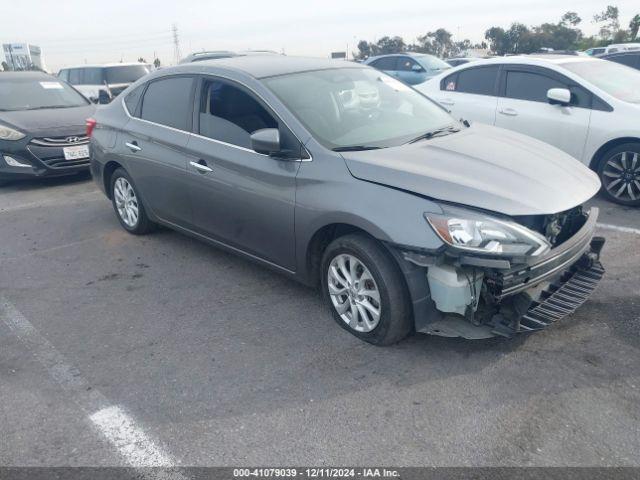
616 228
132 443
119 428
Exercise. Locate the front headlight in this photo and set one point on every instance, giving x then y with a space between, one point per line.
476 232
7 133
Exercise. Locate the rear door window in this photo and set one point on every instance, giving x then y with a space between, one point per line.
75 76
386 63
92 76
406 64
169 102
479 81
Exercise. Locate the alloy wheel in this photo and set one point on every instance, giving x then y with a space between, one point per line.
126 202
354 293
621 176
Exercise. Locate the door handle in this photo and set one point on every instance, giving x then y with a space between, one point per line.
447 101
201 167
508 111
133 146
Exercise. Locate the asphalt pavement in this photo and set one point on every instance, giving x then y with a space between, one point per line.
117 349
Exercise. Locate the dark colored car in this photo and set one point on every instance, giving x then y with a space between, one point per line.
42 127
630 58
454 62
339 175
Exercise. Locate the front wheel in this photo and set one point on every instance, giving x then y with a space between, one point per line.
127 204
619 172
365 290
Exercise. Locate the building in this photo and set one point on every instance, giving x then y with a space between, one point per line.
22 56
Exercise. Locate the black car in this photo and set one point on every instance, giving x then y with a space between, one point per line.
42 127
630 58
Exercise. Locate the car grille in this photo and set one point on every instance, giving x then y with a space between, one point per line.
68 141
562 298
49 151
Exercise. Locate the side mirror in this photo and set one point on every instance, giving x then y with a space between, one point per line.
266 141
561 96
417 68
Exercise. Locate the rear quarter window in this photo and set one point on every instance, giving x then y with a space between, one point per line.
476 80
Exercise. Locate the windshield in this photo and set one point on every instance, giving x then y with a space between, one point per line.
357 107
37 93
432 63
617 80
126 73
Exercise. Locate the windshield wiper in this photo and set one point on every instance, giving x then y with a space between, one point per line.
440 132
355 148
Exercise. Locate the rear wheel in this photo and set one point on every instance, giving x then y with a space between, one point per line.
365 290
619 172
127 204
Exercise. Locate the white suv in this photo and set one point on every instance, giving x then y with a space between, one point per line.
102 83
588 107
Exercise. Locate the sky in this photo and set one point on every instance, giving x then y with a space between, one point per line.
86 31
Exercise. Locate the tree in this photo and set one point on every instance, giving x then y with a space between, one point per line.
570 18
383 46
634 26
498 40
364 50
388 45
438 43
156 63
610 18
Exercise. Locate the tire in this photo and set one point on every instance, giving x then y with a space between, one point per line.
619 172
377 272
125 206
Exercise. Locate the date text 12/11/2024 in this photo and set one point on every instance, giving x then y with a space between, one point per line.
324 472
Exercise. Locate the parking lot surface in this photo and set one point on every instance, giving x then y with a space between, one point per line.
203 358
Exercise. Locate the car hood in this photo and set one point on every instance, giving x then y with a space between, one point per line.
50 121
483 167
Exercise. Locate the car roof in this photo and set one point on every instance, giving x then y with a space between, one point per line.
32 74
535 59
262 66
621 54
105 65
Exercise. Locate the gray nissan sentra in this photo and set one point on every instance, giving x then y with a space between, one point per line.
342 177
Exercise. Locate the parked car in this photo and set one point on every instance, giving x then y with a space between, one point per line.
454 62
613 48
585 106
42 127
102 83
411 68
407 218
216 54
629 58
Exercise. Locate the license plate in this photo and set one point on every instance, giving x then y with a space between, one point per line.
76 153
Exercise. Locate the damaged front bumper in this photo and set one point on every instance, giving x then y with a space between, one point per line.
480 297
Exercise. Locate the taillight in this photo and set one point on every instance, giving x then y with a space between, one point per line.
91 124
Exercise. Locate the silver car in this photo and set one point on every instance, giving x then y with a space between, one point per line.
343 177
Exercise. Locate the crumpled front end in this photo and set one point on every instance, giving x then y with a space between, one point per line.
477 296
